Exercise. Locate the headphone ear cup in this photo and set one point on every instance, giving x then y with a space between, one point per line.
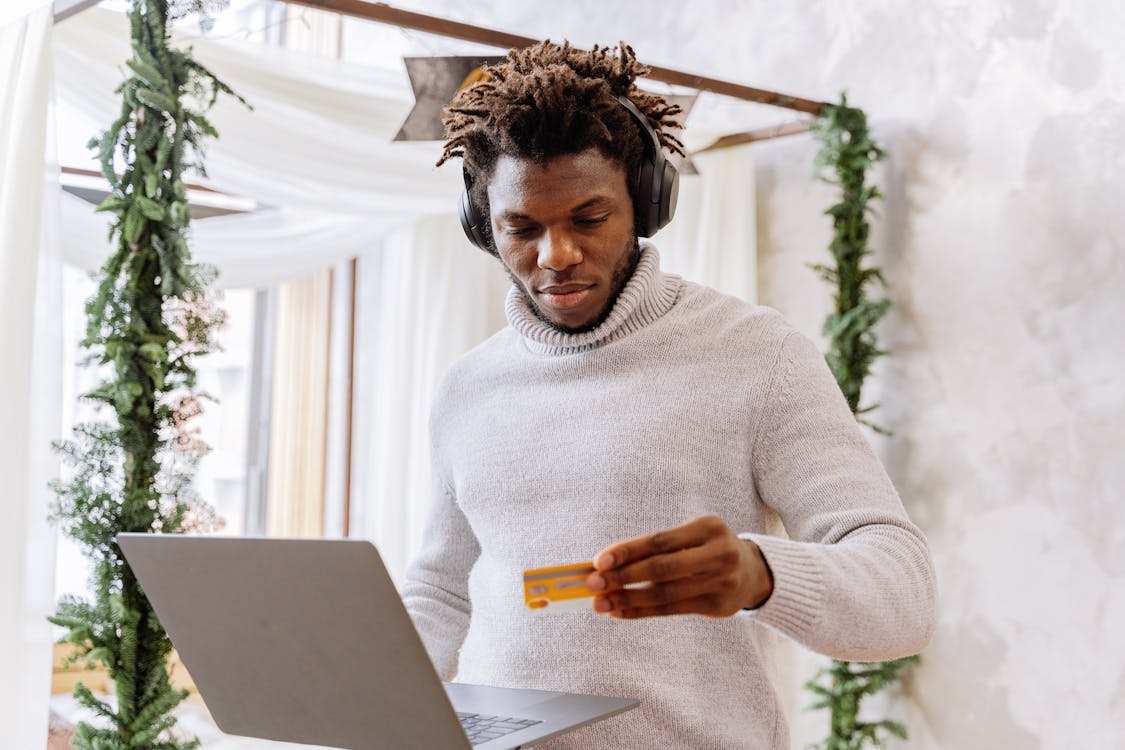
658 182
669 193
472 222
647 199
658 191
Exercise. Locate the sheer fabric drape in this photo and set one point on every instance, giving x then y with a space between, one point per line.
315 153
30 378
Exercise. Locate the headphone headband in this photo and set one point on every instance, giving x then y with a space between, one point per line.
647 131
654 193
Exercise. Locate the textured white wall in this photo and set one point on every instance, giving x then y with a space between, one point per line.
1002 240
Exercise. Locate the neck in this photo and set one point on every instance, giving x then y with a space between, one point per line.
643 298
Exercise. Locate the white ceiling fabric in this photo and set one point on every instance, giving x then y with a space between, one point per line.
316 149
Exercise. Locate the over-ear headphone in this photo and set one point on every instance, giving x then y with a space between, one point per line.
654 193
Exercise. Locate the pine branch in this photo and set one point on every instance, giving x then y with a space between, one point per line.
150 315
847 153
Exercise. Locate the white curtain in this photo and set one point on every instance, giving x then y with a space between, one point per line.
422 300
713 238
255 250
30 377
316 151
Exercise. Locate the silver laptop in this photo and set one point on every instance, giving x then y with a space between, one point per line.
307 640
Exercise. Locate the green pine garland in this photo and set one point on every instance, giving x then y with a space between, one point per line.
150 316
848 150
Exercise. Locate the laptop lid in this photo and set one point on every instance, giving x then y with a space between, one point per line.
241 611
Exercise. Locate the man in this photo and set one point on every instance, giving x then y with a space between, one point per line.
653 425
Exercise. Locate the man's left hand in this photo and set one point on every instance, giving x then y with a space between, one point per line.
700 568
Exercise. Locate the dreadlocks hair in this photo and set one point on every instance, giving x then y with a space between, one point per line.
550 100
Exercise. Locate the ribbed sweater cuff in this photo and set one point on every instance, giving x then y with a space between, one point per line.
797 600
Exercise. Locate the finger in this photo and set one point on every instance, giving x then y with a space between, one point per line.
690 534
659 568
707 604
656 595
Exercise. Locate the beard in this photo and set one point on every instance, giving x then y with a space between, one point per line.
618 279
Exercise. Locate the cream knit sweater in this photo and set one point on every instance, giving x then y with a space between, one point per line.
549 446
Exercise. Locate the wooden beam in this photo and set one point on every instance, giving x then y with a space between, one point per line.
64 9
93 173
383 13
203 201
760 134
735 90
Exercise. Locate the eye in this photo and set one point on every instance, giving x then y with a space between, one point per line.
517 231
591 220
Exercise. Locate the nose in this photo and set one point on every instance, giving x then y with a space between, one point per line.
558 251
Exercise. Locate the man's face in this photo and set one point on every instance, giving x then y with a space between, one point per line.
564 230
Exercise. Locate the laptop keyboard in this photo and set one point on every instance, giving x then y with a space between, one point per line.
481 728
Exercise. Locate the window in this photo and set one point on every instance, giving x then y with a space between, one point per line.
222 475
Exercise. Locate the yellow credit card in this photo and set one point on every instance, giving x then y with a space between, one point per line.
558 589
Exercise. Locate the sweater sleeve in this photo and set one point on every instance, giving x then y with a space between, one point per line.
436 589
854 580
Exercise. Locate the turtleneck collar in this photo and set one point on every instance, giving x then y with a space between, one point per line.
647 295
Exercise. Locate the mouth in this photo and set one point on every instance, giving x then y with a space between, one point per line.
563 296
